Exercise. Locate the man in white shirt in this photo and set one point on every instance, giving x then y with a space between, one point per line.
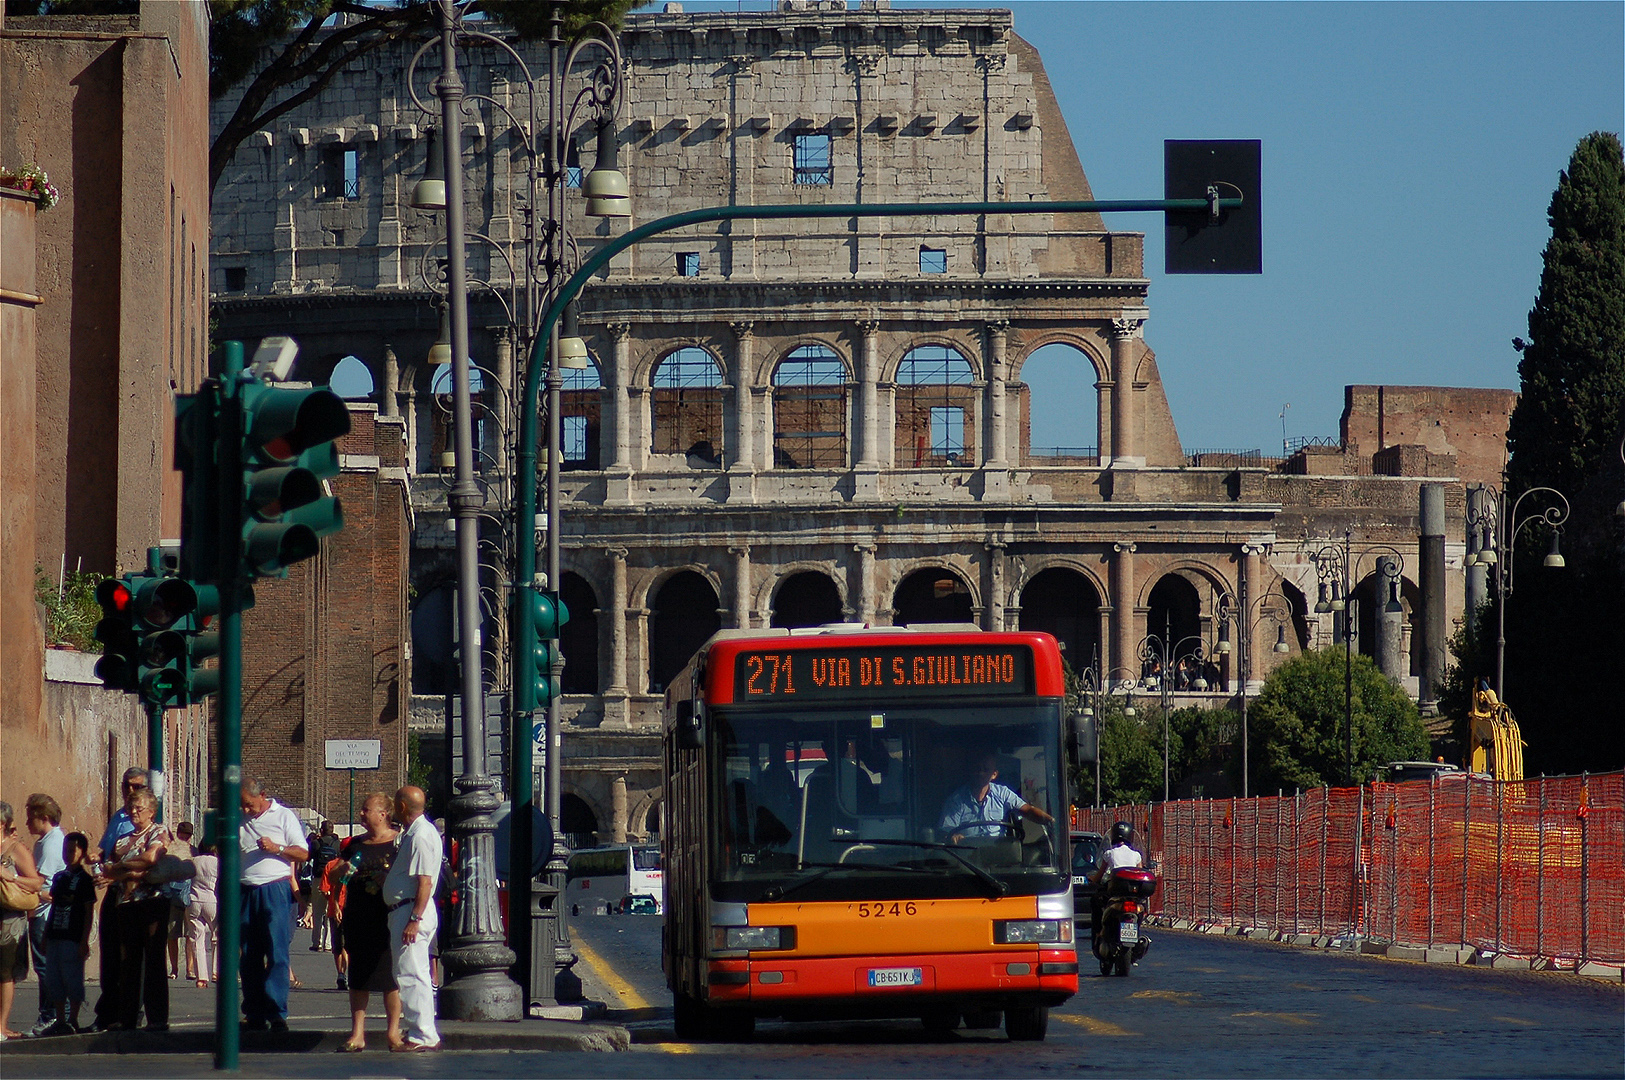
1114 858
272 840
409 892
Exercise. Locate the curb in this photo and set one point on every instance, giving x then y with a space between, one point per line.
1437 954
604 1038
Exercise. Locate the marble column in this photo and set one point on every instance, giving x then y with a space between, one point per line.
617 624
995 587
618 431
1123 628
617 809
741 611
866 583
1126 453
388 401
742 373
867 454
993 452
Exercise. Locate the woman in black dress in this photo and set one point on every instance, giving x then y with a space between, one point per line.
364 921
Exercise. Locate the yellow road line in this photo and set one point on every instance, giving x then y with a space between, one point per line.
1286 1018
1176 996
1520 1021
1093 1026
623 989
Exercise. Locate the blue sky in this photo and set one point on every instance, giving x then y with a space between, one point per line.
1410 152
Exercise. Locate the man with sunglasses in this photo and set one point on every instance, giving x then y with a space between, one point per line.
107 1004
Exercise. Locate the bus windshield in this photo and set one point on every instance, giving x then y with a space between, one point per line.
871 803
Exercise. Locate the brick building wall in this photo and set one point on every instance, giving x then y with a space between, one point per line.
1469 423
325 651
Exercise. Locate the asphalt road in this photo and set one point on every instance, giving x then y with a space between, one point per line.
1198 1005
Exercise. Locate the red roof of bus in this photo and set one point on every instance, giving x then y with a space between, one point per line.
1048 678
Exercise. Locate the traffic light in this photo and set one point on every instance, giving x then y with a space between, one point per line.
165 607
550 615
287 456
119 666
197 430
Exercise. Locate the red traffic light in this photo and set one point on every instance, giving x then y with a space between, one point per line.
113 596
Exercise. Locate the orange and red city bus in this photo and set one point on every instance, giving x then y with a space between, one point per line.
823 859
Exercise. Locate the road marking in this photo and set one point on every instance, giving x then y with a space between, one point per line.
1209 971
1434 1008
1516 1020
1093 1026
1285 1018
1178 996
623 989
1363 997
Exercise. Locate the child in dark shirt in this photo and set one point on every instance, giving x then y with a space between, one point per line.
67 937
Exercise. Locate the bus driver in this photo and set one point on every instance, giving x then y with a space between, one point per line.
981 807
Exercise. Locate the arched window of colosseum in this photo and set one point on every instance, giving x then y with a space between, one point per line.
936 408
682 617
806 599
351 379
686 396
577 821
580 406
1371 595
809 410
1064 603
579 639
651 821
440 391
1175 615
932 595
1059 407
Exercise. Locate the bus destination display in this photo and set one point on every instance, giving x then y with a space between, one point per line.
915 671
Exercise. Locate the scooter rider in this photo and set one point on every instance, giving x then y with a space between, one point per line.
1119 855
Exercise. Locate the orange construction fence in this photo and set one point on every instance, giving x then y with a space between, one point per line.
1530 868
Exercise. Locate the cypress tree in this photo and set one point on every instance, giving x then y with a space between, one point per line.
1572 370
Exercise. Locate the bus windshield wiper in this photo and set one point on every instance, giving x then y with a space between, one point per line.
822 870
998 887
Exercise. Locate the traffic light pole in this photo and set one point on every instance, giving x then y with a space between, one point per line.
229 752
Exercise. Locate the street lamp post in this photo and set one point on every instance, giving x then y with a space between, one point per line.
1247 615
1501 528
1338 569
483 993
1167 655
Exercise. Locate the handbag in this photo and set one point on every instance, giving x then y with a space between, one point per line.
13 897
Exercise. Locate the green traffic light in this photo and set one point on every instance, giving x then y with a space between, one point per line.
550 614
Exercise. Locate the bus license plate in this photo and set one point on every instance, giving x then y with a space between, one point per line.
1128 933
895 976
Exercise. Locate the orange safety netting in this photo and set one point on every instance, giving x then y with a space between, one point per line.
1528 867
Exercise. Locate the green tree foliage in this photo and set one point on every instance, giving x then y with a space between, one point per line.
283 45
1564 634
1296 725
1572 371
71 611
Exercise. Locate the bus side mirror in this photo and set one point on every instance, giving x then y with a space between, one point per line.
1085 737
690 727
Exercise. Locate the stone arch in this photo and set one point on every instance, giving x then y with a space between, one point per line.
1062 601
767 365
581 401
682 616
810 408
933 593
579 813
1087 344
1174 610
686 403
1370 598
352 379
578 641
1048 391
643 815
968 348
935 406
806 598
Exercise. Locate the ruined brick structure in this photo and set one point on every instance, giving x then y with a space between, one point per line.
790 423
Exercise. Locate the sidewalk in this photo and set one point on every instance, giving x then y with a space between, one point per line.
318 1021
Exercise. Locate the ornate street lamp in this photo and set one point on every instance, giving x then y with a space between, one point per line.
477 960
1247 617
1501 528
1337 566
1168 655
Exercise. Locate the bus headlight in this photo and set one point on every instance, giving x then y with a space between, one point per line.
1031 931
730 938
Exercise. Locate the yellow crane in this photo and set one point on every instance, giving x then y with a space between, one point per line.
1494 744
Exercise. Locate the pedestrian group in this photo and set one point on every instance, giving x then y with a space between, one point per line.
144 890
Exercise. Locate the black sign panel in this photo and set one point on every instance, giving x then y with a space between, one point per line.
915 671
1194 242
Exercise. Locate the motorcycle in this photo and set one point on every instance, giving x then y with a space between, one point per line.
1121 941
